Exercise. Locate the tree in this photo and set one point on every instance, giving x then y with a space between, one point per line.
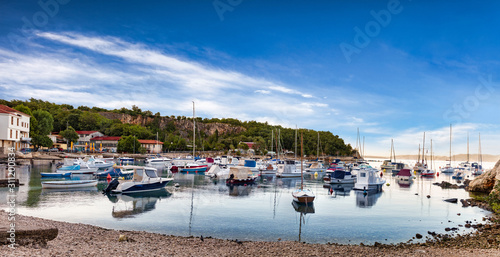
41 128
24 109
243 146
70 134
128 144
39 140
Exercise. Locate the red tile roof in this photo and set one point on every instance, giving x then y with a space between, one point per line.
105 138
143 141
8 110
85 132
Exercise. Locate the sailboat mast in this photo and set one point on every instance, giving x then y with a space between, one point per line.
272 139
467 147
431 154
450 145
317 150
418 157
363 157
301 162
423 150
194 132
480 154
295 142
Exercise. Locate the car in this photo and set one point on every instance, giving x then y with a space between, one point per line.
54 150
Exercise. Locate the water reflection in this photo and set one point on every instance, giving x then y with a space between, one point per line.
239 190
303 209
340 189
366 199
130 205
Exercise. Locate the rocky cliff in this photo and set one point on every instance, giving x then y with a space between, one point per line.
486 182
182 125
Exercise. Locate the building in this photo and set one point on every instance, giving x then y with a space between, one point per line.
109 144
58 140
14 129
86 136
152 146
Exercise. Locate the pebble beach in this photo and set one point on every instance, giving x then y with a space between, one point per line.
87 240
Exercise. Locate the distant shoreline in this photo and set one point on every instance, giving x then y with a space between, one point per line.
457 157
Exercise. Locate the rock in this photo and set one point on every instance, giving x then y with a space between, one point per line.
451 200
122 238
31 235
418 236
464 202
486 181
447 229
428 196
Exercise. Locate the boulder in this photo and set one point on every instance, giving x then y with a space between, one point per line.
25 236
487 181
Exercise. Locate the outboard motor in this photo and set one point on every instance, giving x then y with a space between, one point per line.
111 186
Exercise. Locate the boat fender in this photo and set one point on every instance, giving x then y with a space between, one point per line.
437 174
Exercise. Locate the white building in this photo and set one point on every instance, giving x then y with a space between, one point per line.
14 129
85 136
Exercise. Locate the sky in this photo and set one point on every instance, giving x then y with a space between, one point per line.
393 69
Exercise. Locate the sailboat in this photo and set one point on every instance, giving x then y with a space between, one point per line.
302 195
428 172
465 166
477 167
389 165
448 168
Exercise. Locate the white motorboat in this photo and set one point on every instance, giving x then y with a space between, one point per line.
144 179
287 169
368 178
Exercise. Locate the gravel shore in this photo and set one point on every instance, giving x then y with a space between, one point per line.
88 240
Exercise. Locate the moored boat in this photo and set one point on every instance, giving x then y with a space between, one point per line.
368 178
63 184
55 175
240 175
144 179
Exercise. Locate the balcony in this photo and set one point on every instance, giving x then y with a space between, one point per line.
25 139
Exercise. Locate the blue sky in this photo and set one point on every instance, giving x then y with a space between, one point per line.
409 67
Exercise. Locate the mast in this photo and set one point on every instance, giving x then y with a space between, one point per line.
418 157
295 142
363 157
194 132
317 150
423 150
272 139
480 154
156 140
431 154
301 163
467 147
450 145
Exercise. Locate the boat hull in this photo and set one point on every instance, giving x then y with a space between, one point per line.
55 175
140 187
69 184
240 181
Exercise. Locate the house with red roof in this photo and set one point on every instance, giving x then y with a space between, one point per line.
111 143
14 129
85 136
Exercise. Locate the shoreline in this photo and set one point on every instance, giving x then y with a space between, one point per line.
75 239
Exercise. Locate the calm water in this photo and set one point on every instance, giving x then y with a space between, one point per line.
260 212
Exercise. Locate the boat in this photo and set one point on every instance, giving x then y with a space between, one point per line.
428 172
302 195
240 175
398 166
55 175
63 184
77 169
459 174
389 165
130 205
404 175
340 177
368 178
91 162
157 160
125 160
448 168
116 172
287 169
477 167
144 179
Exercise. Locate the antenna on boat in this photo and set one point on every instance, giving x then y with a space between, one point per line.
301 162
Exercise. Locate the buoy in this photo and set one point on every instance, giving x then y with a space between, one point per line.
245 185
437 174
316 174
381 174
108 178
331 190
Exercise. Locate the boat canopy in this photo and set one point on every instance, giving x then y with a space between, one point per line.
404 173
240 172
339 174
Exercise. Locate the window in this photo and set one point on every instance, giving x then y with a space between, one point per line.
18 122
10 133
16 133
11 120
